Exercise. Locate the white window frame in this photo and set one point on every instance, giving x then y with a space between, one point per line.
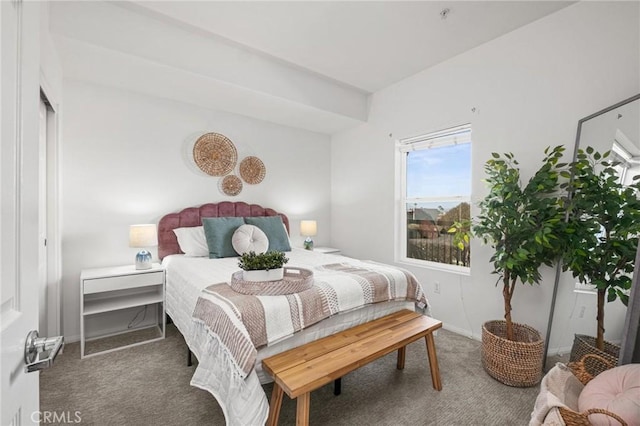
451 136
623 156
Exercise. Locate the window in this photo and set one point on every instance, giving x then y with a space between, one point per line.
435 188
628 166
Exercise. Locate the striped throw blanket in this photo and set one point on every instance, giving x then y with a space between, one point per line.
243 323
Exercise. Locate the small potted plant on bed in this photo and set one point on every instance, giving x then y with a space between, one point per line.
267 266
523 225
602 234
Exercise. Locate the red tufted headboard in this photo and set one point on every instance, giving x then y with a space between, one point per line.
192 216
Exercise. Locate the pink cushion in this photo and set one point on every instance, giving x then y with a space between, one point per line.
616 390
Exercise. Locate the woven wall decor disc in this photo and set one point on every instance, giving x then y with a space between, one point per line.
252 170
231 185
215 154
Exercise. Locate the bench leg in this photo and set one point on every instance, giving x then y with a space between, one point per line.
337 386
302 413
433 362
401 355
274 406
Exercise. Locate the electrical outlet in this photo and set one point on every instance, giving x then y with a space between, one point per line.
436 288
581 314
585 288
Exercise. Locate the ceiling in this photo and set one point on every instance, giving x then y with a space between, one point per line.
306 64
366 44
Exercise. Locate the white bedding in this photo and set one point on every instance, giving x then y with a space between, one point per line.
244 401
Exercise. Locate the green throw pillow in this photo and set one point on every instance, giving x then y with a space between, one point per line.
273 227
219 231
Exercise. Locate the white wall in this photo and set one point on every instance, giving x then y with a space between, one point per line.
50 66
127 159
529 88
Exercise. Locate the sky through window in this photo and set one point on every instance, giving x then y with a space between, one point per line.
439 172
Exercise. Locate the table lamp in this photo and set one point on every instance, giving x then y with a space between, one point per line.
143 236
308 228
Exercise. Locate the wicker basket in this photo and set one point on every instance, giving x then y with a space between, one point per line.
584 345
589 366
512 362
572 418
295 280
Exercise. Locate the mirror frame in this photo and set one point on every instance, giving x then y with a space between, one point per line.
630 346
559 265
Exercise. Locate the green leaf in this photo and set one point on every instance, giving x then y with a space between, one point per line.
624 299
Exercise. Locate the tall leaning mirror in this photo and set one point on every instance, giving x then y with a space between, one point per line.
574 306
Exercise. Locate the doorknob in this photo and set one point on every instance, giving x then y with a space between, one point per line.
34 346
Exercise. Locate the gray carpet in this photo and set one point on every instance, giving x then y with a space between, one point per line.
149 385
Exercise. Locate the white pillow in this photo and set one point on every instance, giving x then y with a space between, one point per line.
192 241
249 238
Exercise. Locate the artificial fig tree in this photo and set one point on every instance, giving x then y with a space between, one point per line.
522 223
602 229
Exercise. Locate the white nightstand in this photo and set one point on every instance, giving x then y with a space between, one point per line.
105 290
327 250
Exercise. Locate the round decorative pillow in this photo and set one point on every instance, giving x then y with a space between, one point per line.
616 390
249 238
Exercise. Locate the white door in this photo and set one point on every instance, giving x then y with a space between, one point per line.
19 90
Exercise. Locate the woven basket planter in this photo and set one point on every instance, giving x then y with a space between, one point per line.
512 362
585 345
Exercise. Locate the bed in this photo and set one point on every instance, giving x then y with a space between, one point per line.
189 279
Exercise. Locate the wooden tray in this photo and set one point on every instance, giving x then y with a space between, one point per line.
295 280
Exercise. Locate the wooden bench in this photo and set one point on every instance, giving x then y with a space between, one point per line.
306 368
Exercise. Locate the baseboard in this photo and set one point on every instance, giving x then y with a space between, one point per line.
112 323
461 331
559 351
72 339
562 350
117 332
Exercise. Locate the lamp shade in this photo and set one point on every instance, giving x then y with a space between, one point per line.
308 228
143 235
